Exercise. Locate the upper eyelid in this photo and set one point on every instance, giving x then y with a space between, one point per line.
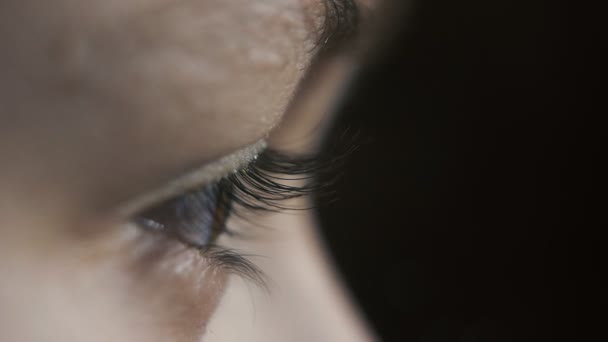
339 20
202 176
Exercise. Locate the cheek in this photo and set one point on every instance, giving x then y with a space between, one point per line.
173 286
138 289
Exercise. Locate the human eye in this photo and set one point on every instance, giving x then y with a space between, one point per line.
199 216
198 211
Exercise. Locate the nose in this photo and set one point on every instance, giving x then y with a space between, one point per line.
306 299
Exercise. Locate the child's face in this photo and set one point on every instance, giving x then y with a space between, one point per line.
105 106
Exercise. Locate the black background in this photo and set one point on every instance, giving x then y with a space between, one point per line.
458 217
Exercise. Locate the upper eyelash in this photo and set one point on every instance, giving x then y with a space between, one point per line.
340 22
261 184
258 186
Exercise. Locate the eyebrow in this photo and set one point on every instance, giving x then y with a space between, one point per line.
206 174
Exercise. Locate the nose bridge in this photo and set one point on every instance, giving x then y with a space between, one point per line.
317 306
306 301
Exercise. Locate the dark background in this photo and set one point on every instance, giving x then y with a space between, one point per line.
459 216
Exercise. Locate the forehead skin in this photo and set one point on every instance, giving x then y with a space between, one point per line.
109 97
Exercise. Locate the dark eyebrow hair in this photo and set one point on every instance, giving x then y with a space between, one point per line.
340 24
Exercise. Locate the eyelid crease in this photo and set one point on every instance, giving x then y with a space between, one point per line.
204 175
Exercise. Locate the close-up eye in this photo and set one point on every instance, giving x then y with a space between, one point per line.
196 218
161 163
265 184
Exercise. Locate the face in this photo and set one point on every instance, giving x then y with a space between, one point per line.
152 154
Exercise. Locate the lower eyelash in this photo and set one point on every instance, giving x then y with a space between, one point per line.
236 263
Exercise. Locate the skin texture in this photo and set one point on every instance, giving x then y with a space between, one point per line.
103 102
173 75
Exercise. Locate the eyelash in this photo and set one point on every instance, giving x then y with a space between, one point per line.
199 217
341 22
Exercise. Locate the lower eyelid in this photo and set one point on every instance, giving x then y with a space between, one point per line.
150 255
178 285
